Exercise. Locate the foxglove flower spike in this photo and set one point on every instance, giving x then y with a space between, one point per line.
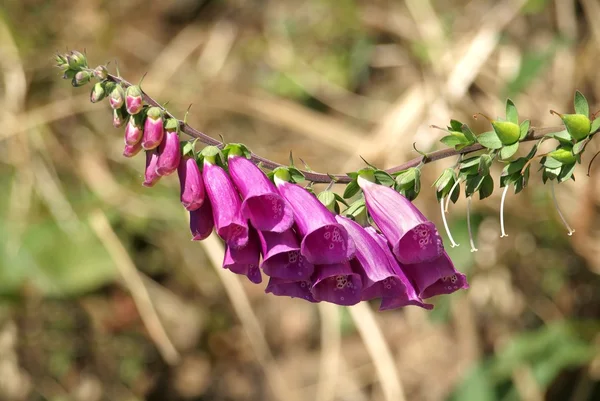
282 258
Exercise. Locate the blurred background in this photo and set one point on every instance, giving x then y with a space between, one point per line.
104 296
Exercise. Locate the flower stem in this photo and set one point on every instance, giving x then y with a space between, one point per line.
562 217
452 242
503 234
473 249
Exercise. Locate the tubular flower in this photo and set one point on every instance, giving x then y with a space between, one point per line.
294 289
153 128
413 238
133 99
408 295
169 153
282 258
190 183
378 277
262 205
245 260
201 221
436 277
336 283
226 203
150 177
134 129
132 150
324 240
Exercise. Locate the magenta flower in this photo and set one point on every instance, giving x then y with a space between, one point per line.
245 260
378 277
150 177
169 154
116 97
153 128
324 240
226 203
262 205
294 289
336 283
282 258
190 183
404 295
132 150
413 238
133 99
201 221
436 277
134 130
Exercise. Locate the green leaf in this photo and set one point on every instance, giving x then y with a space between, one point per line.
468 133
485 162
511 112
456 125
581 104
551 162
384 178
566 172
355 207
451 141
487 187
595 125
351 189
489 140
353 175
515 166
562 136
473 184
509 150
524 129
340 199
407 178
470 162
444 179
579 146
296 175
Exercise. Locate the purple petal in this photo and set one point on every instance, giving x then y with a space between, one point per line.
153 133
282 257
201 221
134 104
133 133
405 294
263 206
169 154
293 289
150 176
436 277
244 260
226 203
190 183
132 150
324 240
336 283
414 239
378 276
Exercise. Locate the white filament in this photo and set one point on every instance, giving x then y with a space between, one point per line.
503 234
568 227
452 242
473 249
450 194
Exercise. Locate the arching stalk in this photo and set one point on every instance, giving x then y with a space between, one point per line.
473 249
503 233
452 242
562 217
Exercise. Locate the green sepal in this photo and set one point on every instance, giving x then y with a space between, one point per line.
485 162
455 125
566 172
511 112
468 134
486 187
187 147
155 113
236 149
383 178
351 189
353 175
524 127
454 139
444 183
139 118
490 140
551 162
561 136
580 146
474 182
296 175
328 199
509 150
408 182
172 124
581 104
212 155
133 91
357 211
120 116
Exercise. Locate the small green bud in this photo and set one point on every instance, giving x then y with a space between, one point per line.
101 72
98 93
327 198
81 78
69 74
172 124
563 155
76 60
578 125
507 132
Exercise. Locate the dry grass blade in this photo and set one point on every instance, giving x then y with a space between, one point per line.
378 349
134 283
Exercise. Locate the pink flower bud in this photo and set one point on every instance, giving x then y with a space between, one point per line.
98 92
135 129
120 117
169 154
191 183
150 177
132 150
117 97
101 72
153 128
133 99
